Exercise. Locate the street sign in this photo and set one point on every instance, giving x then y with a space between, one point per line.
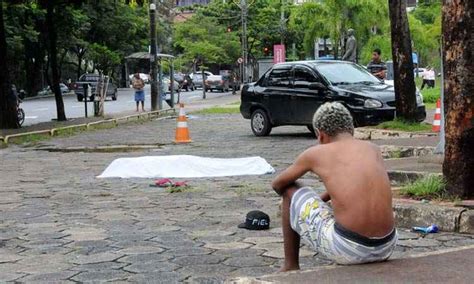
240 60
279 53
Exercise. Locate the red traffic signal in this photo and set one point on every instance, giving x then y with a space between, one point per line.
266 50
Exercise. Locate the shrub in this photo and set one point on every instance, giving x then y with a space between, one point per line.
429 187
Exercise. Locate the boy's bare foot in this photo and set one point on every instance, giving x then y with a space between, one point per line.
286 268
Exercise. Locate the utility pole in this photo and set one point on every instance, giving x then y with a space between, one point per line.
153 67
244 9
442 135
282 22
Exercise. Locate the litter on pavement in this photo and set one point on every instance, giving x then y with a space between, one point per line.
185 166
166 182
426 230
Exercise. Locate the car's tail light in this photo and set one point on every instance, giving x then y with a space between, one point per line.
222 81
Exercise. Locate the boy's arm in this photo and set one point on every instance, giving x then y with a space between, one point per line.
289 176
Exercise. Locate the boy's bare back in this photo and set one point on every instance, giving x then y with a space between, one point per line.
357 182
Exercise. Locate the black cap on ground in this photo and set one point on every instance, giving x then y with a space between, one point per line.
256 220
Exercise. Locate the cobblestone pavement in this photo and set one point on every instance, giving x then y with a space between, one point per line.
58 223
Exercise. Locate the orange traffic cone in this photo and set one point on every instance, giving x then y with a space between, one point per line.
182 131
437 117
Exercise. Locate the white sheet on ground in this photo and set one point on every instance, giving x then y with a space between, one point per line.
185 166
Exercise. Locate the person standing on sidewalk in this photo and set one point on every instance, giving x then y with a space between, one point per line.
377 67
430 77
138 84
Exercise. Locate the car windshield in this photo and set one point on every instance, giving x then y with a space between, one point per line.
346 73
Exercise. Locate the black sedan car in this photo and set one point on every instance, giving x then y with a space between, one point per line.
290 93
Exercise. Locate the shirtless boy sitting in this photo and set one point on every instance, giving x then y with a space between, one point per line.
359 228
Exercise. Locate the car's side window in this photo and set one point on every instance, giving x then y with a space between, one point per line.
303 77
279 78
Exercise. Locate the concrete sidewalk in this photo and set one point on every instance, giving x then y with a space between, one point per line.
59 223
450 266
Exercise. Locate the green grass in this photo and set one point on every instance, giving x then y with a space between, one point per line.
430 96
229 109
398 124
177 189
68 132
429 187
397 154
430 105
30 139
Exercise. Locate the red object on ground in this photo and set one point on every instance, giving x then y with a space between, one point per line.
165 182
437 117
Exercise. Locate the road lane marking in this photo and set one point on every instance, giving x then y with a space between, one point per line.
194 97
42 109
31 117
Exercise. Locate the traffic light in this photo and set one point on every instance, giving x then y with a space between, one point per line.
229 29
266 51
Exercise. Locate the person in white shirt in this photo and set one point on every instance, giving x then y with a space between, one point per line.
428 78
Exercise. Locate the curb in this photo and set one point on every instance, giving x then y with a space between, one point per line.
404 177
8 138
447 218
47 96
106 122
393 151
312 274
379 134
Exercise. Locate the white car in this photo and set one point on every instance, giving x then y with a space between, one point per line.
48 91
207 73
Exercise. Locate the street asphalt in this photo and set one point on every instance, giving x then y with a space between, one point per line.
59 223
44 109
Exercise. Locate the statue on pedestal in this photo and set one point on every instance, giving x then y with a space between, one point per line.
351 47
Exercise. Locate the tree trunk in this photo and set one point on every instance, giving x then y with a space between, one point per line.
8 116
404 80
458 56
61 115
80 56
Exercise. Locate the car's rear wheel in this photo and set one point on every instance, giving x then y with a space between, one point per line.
80 98
114 97
260 123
